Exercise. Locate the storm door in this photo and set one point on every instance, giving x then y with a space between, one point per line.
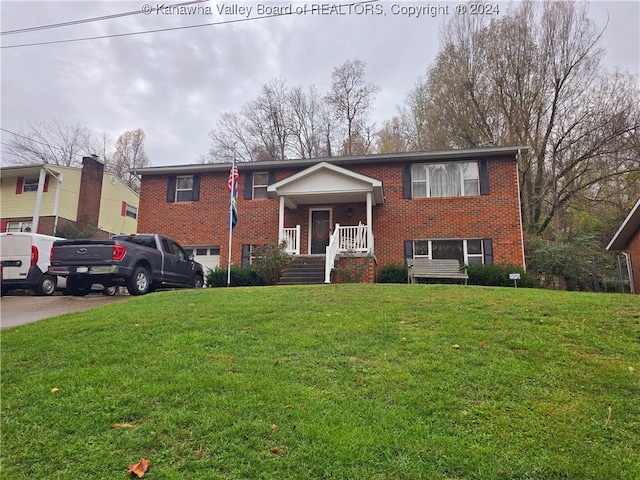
320 230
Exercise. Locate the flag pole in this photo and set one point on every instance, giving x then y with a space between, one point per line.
233 188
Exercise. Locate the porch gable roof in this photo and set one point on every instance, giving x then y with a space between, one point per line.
326 183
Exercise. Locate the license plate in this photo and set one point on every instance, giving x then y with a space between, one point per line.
82 269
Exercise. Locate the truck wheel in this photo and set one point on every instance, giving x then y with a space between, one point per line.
47 285
197 281
110 291
77 287
140 282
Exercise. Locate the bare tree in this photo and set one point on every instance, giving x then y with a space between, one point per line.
534 78
308 122
392 136
129 154
261 131
351 100
54 142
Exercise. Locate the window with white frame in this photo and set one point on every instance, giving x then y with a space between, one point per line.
260 184
19 226
465 251
30 185
131 211
184 188
454 179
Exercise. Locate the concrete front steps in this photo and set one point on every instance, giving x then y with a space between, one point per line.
304 270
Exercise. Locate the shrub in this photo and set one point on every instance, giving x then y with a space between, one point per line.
497 275
393 273
270 260
581 261
240 277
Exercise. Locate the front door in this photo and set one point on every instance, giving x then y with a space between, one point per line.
320 230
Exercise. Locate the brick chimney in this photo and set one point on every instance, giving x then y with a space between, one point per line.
90 191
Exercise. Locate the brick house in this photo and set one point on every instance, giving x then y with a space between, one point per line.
627 240
49 199
461 204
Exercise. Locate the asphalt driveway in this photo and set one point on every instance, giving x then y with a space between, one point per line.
21 309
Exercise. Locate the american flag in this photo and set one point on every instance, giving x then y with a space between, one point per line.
232 184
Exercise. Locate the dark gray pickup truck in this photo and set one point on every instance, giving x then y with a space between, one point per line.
141 262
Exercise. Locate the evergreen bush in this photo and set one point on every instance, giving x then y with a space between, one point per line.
497 275
393 273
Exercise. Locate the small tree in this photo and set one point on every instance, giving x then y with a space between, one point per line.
270 261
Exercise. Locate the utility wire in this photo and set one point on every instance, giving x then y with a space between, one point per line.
223 22
98 19
35 141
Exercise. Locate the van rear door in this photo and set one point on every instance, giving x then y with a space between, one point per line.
15 254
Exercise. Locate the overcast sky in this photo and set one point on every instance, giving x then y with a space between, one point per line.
176 84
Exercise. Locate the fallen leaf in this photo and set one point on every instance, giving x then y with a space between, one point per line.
93 362
55 389
274 427
121 425
140 468
483 345
287 406
275 450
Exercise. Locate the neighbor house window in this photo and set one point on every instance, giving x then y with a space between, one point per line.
471 251
19 226
445 179
30 185
260 184
132 211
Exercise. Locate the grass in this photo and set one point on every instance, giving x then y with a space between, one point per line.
329 382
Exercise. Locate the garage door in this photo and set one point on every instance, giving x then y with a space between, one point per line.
208 256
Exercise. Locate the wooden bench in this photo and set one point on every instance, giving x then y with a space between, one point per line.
440 268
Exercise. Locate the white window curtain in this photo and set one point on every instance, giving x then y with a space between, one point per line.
444 180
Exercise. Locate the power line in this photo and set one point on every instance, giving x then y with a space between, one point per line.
36 141
223 22
97 19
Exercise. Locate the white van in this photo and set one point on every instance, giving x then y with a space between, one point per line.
25 262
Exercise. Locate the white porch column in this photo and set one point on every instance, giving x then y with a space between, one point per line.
56 203
36 212
281 220
370 222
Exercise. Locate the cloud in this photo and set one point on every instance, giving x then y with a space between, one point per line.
176 84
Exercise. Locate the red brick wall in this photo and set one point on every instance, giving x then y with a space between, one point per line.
495 216
90 191
633 249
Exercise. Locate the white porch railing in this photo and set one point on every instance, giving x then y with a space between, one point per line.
291 237
349 239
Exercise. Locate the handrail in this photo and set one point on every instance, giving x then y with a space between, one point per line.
354 239
331 252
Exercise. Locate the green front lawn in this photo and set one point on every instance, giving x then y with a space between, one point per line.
330 381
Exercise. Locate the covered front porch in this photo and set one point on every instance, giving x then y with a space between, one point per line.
327 210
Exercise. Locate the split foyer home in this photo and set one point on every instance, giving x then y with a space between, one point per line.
627 240
48 199
387 208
